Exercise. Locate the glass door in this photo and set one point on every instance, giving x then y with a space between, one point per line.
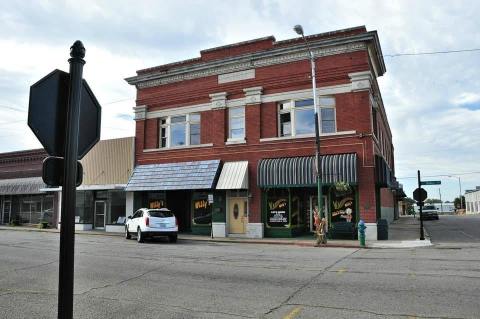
100 213
6 211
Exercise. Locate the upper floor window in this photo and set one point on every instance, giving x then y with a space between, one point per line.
236 123
297 117
181 130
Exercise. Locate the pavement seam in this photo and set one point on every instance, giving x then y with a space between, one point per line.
376 313
308 283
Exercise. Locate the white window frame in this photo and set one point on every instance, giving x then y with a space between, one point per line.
291 109
168 125
230 117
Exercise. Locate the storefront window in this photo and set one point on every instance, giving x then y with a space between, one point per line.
156 200
278 212
117 207
343 206
84 207
202 212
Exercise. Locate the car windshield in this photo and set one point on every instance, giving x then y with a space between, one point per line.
160 213
429 207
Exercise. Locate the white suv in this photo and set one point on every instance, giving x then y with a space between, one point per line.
152 222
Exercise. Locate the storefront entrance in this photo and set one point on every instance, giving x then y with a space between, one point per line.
237 215
100 212
6 211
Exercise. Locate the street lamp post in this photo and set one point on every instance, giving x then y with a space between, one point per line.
299 30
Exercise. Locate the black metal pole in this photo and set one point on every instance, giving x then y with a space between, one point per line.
67 229
422 235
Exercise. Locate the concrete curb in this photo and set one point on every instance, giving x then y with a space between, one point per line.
269 241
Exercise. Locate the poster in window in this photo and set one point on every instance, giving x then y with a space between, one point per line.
202 212
343 208
278 213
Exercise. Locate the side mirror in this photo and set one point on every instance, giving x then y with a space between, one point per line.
129 217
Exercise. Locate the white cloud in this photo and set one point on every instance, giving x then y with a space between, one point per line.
466 98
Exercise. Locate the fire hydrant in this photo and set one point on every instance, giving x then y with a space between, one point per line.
361 232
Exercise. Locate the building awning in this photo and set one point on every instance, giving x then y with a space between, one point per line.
301 171
17 186
174 176
234 175
88 188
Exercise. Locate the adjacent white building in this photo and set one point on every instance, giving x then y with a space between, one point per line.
472 201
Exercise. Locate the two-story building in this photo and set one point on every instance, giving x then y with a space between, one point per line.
227 140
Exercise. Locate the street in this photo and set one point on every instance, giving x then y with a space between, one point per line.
118 278
454 229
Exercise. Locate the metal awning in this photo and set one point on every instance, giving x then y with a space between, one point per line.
17 186
234 175
174 176
301 171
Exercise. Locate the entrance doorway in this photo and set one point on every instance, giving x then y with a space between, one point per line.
237 215
6 211
100 212
313 203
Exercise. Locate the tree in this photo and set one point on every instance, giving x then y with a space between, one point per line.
456 202
409 202
433 201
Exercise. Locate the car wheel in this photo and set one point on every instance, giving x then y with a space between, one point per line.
139 235
127 233
172 238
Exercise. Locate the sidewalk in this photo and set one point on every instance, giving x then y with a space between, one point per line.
403 233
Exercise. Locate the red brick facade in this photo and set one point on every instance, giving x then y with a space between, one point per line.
353 109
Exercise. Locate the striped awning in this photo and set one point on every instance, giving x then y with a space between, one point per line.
174 176
234 175
18 186
301 171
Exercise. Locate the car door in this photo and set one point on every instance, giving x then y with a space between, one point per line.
132 225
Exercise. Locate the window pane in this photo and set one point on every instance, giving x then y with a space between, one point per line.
195 118
238 111
237 133
237 123
178 119
327 101
304 122
328 127
308 102
285 125
194 134
178 134
328 114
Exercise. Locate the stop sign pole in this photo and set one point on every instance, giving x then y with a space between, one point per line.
67 229
422 235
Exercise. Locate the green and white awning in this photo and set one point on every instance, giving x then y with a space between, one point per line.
301 171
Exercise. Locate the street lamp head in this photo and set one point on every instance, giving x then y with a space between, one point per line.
298 28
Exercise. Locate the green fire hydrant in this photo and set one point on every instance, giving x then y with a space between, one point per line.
361 232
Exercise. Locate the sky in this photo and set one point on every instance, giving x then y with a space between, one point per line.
432 100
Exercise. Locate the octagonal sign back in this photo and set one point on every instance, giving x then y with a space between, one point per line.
47 114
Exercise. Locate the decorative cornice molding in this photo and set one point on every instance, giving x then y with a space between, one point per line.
218 100
243 63
140 112
253 95
361 81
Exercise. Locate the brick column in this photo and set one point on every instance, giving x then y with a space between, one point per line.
218 116
252 114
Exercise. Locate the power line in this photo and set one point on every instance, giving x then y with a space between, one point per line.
441 175
431 52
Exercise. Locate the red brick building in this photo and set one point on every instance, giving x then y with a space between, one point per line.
226 140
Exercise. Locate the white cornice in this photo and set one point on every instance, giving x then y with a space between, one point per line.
260 59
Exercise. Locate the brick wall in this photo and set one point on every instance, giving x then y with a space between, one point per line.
22 164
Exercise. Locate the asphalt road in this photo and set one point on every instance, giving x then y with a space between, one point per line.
454 229
116 278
